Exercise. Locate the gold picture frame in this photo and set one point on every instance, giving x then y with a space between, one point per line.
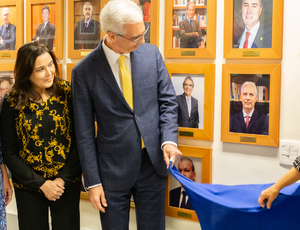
208 72
206 13
34 19
77 12
270 99
16 8
234 21
199 156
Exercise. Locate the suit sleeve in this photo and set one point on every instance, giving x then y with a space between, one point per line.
84 118
265 129
168 106
21 171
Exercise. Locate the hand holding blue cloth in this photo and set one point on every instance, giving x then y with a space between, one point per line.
221 207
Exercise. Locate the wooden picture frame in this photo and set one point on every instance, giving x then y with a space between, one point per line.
7 71
34 20
16 8
199 156
206 15
69 71
268 100
75 10
208 71
271 17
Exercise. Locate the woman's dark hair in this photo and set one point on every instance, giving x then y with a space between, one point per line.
24 67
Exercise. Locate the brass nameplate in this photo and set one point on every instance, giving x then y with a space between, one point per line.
252 53
184 214
188 53
83 54
5 54
248 139
186 134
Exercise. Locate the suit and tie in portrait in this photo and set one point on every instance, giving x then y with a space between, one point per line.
190 31
184 119
249 120
178 196
7 32
255 35
137 133
259 123
188 113
45 32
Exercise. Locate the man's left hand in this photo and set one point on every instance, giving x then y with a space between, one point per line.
171 151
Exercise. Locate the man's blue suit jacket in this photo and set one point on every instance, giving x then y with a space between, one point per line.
259 123
9 37
114 156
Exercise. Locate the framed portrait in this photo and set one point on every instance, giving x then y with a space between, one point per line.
190 29
253 29
7 79
84 33
195 164
251 104
44 24
11 27
194 86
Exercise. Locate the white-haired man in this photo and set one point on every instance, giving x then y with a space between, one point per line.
7 32
249 120
124 84
87 30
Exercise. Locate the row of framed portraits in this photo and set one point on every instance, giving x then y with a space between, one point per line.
269 33
263 130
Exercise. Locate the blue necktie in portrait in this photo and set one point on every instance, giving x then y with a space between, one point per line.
222 207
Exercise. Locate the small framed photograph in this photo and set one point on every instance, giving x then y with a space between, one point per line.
194 87
195 164
251 104
190 29
11 27
253 29
84 33
44 24
7 79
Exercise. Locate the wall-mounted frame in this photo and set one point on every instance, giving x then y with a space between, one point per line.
267 43
203 76
69 71
14 39
179 42
202 160
6 79
82 40
50 34
263 128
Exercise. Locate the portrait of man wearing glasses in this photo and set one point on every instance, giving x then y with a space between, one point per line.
125 84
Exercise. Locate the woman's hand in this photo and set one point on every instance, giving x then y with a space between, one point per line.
53 189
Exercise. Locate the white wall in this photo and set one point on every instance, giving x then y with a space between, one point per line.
232 163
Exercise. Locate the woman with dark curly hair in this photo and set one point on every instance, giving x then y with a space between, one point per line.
39 144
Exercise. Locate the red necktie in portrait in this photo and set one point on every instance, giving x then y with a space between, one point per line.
246 41
247 121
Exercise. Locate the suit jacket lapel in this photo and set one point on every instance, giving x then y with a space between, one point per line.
253 118
242 122
106 73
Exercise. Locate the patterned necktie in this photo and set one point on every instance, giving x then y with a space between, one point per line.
246 41
183 204
247 121
126 82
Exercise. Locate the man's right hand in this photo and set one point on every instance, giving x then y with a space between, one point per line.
97 198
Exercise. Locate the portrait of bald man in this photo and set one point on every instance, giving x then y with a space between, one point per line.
7 32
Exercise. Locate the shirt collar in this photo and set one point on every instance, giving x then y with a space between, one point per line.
254 29
88 22
112 56
245 114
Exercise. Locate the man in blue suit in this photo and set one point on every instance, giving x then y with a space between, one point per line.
178 197
7 32
254 35
137 133
249 120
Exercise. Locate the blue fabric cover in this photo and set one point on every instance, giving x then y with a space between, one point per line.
221 207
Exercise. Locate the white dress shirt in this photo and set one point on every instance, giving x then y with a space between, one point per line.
245 115
252 36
